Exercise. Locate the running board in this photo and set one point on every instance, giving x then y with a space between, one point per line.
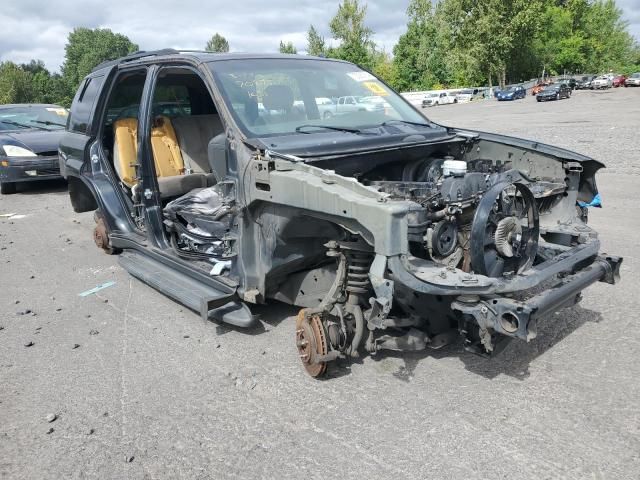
209 301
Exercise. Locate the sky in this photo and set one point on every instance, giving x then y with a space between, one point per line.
38 29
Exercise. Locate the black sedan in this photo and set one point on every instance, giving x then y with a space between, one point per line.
554 92
29 136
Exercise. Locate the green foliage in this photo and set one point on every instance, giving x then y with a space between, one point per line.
86 48
348 27
33 83
448 43
217 44
15 84
288 47
608 44
384 67
472 42
315 43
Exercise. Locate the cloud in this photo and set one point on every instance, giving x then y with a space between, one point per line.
38 28
631 13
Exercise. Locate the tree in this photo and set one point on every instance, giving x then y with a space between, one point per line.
608 44
355 38
557 46
287 47
86 48
415 48
384 68
15 84
315 42
217 44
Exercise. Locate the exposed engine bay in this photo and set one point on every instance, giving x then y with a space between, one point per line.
470 242
475 216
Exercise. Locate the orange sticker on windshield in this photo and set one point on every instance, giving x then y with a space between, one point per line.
376 88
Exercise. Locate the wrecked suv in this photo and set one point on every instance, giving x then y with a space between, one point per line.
219 182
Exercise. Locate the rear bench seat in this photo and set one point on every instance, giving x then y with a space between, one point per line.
194 134
168 154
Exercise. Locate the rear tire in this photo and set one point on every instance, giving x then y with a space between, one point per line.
7 188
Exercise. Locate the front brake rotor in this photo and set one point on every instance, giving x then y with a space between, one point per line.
311 342
101 236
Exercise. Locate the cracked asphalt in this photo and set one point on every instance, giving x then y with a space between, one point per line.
143 389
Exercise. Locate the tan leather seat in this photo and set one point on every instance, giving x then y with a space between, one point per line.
125 149
167 157
166 151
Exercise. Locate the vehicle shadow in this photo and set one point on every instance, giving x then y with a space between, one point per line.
514 356
269 316
517 356
41 187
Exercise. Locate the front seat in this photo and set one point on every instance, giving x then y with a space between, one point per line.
167 157
278 101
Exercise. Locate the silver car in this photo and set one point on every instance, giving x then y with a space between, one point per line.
633 80
603 81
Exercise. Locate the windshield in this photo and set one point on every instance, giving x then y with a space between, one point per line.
635 75
510 89
43 117
551 88
277 96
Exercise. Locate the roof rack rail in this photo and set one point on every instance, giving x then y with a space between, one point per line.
137 55
184 50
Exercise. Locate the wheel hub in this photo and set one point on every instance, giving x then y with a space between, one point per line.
311 342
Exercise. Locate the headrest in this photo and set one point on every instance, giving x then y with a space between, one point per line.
278 97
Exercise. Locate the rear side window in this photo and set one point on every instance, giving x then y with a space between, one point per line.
82 106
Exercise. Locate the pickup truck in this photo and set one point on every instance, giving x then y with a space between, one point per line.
438 98
349 104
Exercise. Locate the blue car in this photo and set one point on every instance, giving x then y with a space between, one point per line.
511 93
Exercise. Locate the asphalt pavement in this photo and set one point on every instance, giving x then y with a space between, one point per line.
141 388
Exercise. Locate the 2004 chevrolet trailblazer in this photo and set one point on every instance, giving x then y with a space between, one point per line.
220 183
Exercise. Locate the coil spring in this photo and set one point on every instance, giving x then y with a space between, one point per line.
358 266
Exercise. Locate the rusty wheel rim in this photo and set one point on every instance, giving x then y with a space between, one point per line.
100 234
311 343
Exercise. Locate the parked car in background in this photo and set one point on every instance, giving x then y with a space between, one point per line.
438 98
538 87
633 80
29 136
601 82
511 93
468 95
351 104
554 92
584 83
326 106
375 102
618 81
572 82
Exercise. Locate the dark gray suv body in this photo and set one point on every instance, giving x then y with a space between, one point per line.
220 183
